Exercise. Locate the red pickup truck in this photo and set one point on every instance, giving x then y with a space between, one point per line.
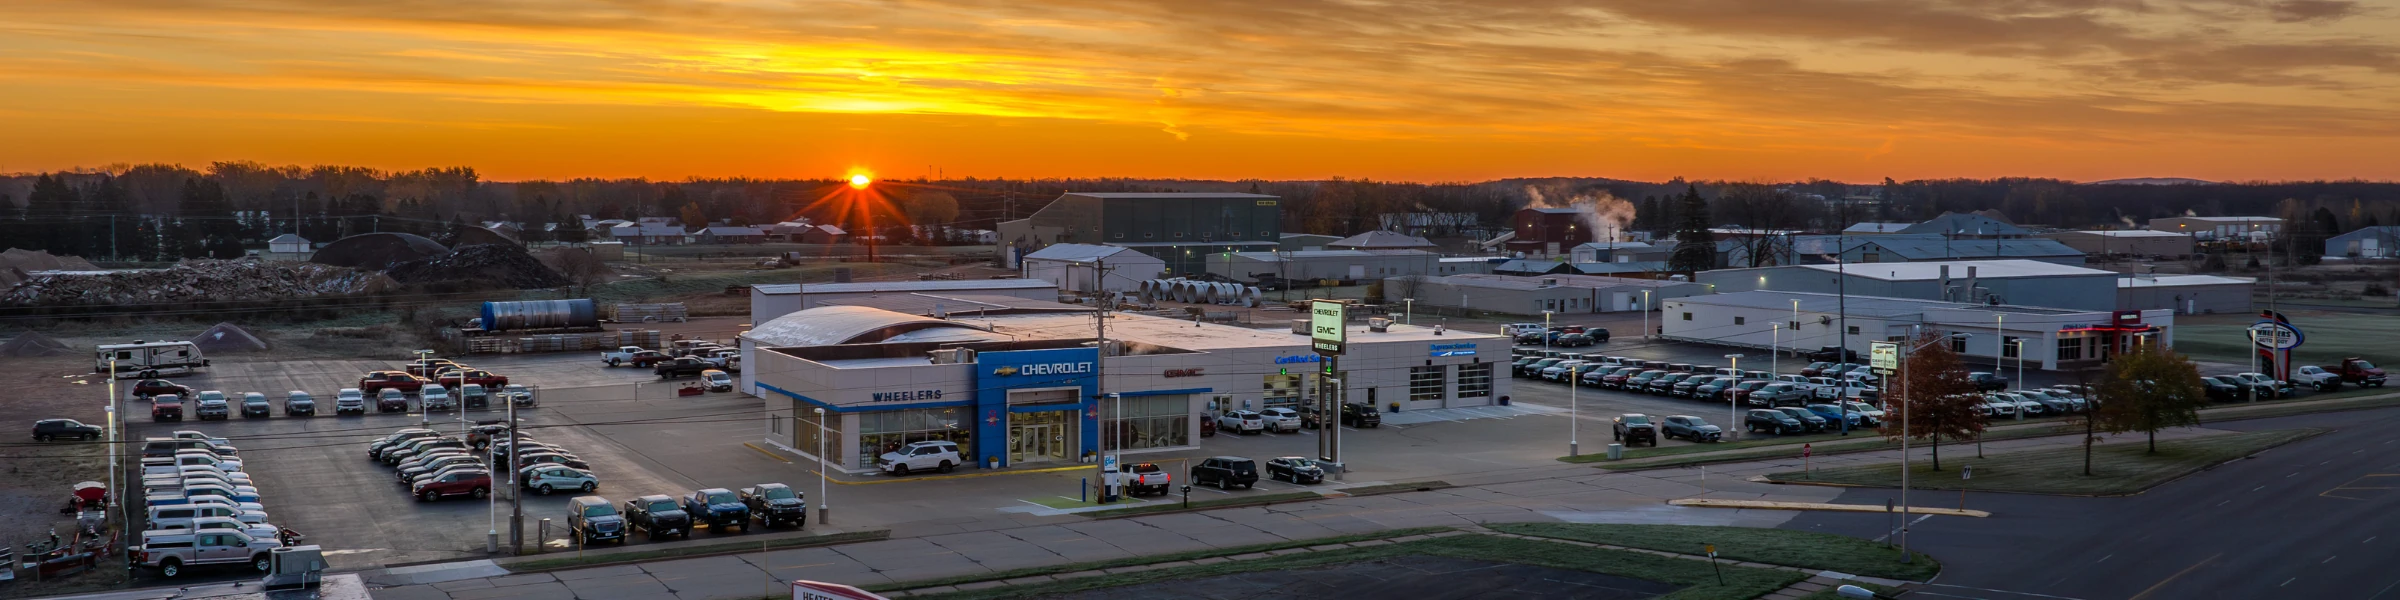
378 380
431 366
459 378
166 407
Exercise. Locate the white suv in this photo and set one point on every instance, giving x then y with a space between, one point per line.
921 456
435 398
1241 421
349 400
1281 419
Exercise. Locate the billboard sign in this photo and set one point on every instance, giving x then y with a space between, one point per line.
1883 355
1327 328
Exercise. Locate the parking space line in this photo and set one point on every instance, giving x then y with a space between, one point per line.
764 451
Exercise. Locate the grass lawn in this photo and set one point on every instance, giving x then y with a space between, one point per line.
1806 549
1177 504
1153 559
2118 469
1700 581
2329 336
690 551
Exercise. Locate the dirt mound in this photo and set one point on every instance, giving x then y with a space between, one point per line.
377 251
33 343
196 281
227 337
472 235
17 263
504 264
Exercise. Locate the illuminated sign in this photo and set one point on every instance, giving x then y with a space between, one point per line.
1183 372
1441 350
1065 368
1298 359
1326 320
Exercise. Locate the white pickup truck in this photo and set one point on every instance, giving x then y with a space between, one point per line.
1143 478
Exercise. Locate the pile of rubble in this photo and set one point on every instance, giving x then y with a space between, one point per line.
503 264
228 338
195 281
33 343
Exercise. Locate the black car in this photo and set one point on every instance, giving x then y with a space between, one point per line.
1572 339
718 508
2221 390
775 503
1598 335
1773 421
1295 469
51 429
1530 338
1807 418
1834 354
681 367
1226 472
1362 416
1663 384
1634 429
659 515
1534 369
1690 387
1690 428
1987 382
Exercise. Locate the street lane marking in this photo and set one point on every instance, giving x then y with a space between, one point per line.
2364 490
2104 559
2178 575
2288 581
1993 591
2369 539
2330 558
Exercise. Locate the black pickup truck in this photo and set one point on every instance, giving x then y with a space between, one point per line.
775 503
681 367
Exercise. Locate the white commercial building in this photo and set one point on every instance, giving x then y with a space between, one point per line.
2051 338
775 300
1093 269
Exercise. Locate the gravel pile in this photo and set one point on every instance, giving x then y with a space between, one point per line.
33 343
502 264
377 251
196 281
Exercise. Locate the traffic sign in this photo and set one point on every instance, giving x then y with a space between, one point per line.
1883 355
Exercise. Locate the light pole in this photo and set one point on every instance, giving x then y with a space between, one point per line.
1775 348
824 474
1408 311
1645 315
1909 405
1733 410
1546 331
1574 414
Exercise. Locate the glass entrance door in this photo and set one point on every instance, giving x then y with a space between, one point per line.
1039 437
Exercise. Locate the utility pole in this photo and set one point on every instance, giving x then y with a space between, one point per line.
1108 467
516 495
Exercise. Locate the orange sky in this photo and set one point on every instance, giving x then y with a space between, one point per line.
1403 89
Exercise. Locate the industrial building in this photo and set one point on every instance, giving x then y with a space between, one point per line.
2135 242
1092 268
1532 295
1967 226
1977 281
1181 229
2185 294
1305 241
1347 265
2215 228
1036 390
1548 231
2366 242
2004 336
1618 252
775 300
1924 248
1529 267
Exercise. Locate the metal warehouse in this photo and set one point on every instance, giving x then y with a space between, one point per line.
2185 294
1034 389
2024 282
2045 338
1323 264
775 300
1093 269
2137 242
1532 295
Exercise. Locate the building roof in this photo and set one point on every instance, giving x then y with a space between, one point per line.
1932 270
1319 254
939 304
1964 224
1381 240
1629 246
2379 231
948 285
1874 307
1936 247
2232 219
645 230
2159 281
834 325
288 238
1563 280
831 230
1310 235
1080 252
2129 233
1171 195
729 230
1877 227
1603 268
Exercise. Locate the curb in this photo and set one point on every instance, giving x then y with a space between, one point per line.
1820 506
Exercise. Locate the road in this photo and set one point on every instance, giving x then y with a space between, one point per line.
2313 519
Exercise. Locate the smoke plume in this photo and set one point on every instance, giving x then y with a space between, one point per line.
1601 211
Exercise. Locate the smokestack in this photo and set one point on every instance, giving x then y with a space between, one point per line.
1970 283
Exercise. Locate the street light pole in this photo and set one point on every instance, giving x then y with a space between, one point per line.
1574 414
1645 315
824 474
1545 331
1408 311
1733 410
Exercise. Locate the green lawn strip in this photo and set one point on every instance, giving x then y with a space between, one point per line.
1393 488
1873 442
564 562
1152 559
1699 579
1178 506
1805 549
2118 468
1833 593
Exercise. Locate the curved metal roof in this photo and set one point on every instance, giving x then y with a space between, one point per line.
831 325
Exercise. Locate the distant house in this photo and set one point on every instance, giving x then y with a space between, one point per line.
289 243
730 234
823 234
648 234
1875 228
1294 242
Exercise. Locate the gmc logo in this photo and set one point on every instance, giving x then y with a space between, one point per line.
1183 372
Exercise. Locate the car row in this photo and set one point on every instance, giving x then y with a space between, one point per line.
593 519
1228 472
201 508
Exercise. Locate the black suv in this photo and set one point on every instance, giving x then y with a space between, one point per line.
1634 429
51 429
659 515
774 503
1773 421
1226 472
1807 419
1987 382
719 508
593 519
1361 415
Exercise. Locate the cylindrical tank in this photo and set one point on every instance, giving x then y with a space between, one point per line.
539 314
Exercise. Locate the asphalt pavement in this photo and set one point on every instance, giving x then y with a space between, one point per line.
2312 519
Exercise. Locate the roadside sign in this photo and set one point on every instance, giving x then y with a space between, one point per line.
1711 549
2274 335
1327 328
1883 355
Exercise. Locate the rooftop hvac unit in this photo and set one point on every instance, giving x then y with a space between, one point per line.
1299 326
953 356
295 567
1379 324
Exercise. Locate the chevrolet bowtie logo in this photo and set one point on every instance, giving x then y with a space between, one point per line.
1004 371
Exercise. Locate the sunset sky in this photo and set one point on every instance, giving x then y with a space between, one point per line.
1854 90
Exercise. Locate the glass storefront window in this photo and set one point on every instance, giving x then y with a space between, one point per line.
880 432
1149 422
804 432
1475 380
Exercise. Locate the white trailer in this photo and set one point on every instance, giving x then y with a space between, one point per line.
149 359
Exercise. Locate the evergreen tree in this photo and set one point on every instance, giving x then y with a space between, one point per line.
1695 251
50 210
142 242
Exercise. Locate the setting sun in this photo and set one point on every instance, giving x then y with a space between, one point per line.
860 180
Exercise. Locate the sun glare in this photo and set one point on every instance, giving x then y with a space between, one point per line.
860 180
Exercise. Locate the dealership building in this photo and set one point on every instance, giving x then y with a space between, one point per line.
1028 384
2045 338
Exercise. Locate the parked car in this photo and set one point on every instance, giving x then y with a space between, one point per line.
1691 385
1779 393
531 457
2279 388
2357 371
159 387
430 366
1634 429
1141 478
473 483
376 381
349 400
774 503
1517 329
1714 389
412 448
1226 472
518 395
1280 419
1833 413
1834 354
1615 378
2222 388
935 455
1295 469
166 407
173 552
717 381
1815 369
1994 407
2025 406
1558 371
544 479
1361 415
1573 340
1241 422
1534 369
297 403
431 463
1690 428
52 429
718 509
1987 382
1740 391
679 367
1808 420
1768 420
375 449
659 515
473 397
391 400
2050 405
1640 382
1869 414
593 519
436 397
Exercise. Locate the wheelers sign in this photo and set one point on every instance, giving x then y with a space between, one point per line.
1325 326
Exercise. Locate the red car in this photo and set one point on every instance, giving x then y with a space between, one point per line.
487 379
379 380
474 484
154 387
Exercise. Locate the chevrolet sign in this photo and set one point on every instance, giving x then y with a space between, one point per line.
1073 368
